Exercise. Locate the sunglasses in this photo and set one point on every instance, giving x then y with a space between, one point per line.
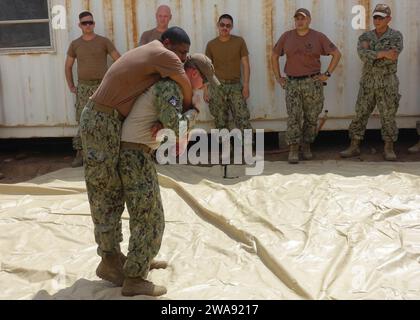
378 18
87 23
222 25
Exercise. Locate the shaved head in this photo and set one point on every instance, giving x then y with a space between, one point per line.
164 9
163 17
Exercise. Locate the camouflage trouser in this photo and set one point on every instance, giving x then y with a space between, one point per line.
101 134
387 99
85 89
144 204
225 98
304 102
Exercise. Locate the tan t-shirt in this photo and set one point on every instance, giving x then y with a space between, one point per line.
91 57
137 127
149 36
134 73
303 52
226 57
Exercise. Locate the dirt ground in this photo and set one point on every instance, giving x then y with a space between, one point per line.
23 160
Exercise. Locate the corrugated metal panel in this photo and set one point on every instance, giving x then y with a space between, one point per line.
33 93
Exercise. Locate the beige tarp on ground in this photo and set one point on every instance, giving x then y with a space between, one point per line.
331 230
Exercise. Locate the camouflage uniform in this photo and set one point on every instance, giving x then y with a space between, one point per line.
141 186
85 89
225 98
379 85
304 102
101 135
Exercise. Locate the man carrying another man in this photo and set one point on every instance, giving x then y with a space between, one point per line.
304 83
100 125
91 52
161 103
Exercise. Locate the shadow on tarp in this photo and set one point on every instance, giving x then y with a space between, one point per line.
84 289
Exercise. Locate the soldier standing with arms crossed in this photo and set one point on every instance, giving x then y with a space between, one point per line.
379 50
304 83
91 52
100 125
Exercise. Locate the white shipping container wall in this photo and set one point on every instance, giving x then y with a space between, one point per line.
35 100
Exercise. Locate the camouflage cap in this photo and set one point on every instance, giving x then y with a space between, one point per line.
205 66
303 12
382 10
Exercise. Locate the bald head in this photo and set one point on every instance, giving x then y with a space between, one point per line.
163 17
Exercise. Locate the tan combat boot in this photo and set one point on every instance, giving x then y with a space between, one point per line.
294 154
414 149
389 153
140 287
78 160
111 268
352 151
307 153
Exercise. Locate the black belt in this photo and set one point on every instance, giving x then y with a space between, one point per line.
303 77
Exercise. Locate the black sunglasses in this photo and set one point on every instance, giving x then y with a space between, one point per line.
87 23
378 18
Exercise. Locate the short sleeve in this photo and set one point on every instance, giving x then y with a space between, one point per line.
208 52
110 46
71 52
168 64
327 47
279 47
244 49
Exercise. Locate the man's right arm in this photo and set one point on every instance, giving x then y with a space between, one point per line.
278 51
69 73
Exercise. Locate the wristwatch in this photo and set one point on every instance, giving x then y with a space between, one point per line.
328 74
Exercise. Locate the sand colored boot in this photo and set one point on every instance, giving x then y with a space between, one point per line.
111 269
352 151
306 151
78 160
140 287
294 154
415 149
389 153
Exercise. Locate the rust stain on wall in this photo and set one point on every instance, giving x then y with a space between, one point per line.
130 7
86 5
269 33
68 17
216 14
289 9
367 5
195 12
109 20
134 22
